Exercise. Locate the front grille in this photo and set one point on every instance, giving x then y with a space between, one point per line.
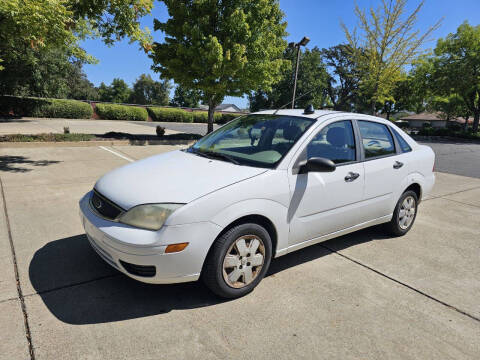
139 270
104 207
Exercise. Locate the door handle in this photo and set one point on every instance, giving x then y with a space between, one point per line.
397 165
351 176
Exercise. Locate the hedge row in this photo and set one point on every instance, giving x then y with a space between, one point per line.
48 108
179 115
121 112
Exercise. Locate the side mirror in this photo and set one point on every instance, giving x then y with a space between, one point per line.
316 164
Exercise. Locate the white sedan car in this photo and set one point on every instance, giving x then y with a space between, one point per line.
261 186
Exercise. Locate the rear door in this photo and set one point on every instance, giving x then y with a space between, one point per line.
385 167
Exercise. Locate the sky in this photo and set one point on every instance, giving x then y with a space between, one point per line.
318 19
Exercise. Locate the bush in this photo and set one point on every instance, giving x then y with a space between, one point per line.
121 112
170 115
180 115
426 125
224 118
448 132
218 118
41 107
402 124
200 117
160 131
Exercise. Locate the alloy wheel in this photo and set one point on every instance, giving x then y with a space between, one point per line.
407 212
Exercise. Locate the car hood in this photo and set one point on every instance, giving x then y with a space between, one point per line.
173 177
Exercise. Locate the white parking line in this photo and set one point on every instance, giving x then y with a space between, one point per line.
116 153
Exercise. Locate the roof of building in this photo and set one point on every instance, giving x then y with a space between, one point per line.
222 107
424 116
428 116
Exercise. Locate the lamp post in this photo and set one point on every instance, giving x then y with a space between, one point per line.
302 42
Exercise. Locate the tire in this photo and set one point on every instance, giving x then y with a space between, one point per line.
232 268
403 218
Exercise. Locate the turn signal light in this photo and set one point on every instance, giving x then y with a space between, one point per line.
172 248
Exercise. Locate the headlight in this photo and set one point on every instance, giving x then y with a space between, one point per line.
149 216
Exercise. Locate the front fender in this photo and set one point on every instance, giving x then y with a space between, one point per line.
274 211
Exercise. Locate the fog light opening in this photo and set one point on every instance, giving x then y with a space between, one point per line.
173 248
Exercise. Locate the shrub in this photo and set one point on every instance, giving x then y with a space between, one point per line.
224 118
160 131
218 118
200 117
402 124
170 115
180 115
121 112
40 107
426 125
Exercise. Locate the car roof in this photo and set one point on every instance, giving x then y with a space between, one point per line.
321 114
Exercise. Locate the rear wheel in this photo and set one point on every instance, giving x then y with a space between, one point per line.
238 260
404 214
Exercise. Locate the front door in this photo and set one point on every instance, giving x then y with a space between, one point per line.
322 203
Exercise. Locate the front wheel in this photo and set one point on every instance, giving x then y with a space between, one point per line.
404 214
238 260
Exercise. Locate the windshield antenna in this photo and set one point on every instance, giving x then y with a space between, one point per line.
298 97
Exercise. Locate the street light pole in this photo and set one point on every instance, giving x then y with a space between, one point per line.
302 42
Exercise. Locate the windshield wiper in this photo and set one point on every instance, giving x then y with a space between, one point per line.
215 155
220 156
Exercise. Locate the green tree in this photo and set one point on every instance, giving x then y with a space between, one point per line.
104 92
385 42
456 68
221 47
449 107
79 87
33 31
311 83
63 23
184 97
343 78
148 91
117 92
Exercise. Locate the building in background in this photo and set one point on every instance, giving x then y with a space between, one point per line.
434 119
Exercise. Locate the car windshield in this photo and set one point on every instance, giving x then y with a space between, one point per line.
255 140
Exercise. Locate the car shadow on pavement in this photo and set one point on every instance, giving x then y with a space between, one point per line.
80 288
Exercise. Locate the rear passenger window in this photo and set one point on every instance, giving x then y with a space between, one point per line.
377 139
401 141
335 142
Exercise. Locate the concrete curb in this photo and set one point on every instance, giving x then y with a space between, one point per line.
34 144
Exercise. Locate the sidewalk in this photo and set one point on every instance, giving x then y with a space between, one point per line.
29 126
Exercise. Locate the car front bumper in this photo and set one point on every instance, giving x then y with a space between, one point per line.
122 245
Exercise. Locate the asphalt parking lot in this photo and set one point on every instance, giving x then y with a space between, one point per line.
361 296
461 158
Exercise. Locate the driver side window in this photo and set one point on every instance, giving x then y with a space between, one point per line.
335 142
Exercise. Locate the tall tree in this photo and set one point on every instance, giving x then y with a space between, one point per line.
343 78
456 68
311 83
79 87
33 30
221 47
184 97
117 92
383 44
147 91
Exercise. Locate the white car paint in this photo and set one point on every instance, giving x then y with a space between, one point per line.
304 209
